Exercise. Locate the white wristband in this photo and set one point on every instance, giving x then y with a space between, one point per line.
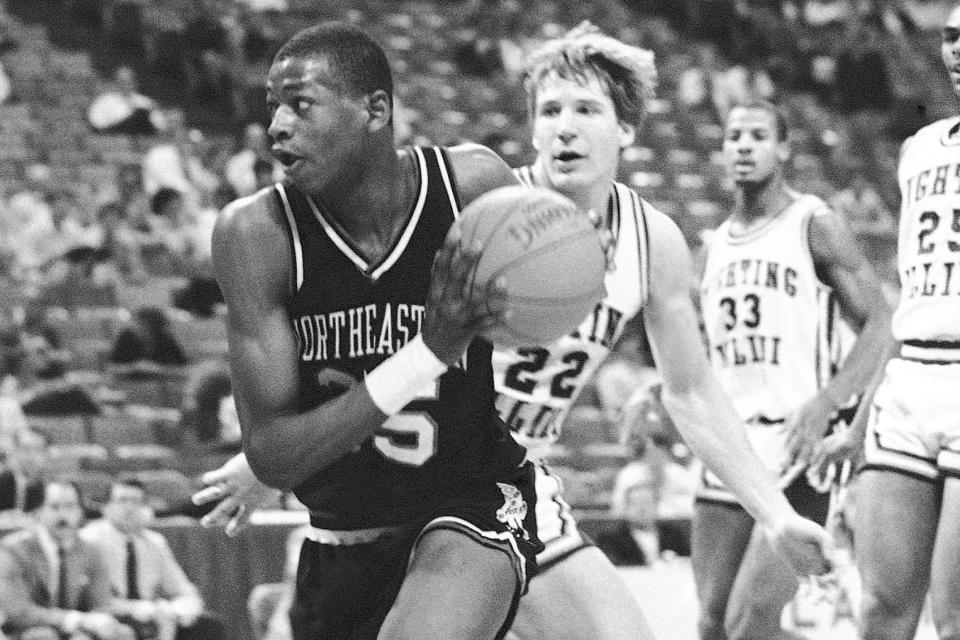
398 379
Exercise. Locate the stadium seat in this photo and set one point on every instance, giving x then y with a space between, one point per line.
644 180
164 486
145 456
121 429
68 429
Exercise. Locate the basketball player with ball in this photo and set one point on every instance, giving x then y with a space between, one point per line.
360 386
780 274
583 116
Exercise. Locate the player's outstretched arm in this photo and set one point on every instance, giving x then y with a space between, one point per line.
284 443
842 265
704 415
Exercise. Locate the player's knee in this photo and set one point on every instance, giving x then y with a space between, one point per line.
949 630
946 616
711 626
884 616
755 622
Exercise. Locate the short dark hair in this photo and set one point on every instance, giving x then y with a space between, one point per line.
162 199
779 117
358 65
126 481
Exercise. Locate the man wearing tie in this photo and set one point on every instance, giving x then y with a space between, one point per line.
53 585
150 589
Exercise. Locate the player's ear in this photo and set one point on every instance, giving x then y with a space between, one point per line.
536 145
784 150
626 135
379 109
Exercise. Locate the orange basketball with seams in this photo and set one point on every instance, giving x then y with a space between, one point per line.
548 253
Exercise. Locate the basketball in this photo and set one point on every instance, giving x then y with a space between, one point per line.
549 254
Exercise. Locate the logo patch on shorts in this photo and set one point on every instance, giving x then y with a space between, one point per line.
514 509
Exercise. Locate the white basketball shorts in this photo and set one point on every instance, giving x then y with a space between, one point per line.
914 423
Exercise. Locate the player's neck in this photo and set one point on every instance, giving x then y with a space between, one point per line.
595 196
756 203
374 203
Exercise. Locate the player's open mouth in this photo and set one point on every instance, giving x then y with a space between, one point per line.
286 158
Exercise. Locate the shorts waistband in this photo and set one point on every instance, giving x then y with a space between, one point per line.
350 537
931 351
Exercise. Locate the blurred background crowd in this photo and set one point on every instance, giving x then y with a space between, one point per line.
125 125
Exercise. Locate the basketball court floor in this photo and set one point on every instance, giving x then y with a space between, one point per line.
666 594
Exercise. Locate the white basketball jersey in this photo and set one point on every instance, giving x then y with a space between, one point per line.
928 251
537 385
770 323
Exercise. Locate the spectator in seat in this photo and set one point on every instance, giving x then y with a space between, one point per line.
241 167
123 109
175 161
147 340
21 468
151 591
53 585
209 413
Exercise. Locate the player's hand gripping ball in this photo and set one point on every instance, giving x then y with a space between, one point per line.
546 255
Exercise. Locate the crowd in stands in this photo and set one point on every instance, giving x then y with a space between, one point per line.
125 126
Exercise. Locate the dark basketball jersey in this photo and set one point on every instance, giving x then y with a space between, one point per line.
350 315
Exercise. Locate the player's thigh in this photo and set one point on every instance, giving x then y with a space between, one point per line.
455 587
764 585
581 596
945 567
895 525
719 537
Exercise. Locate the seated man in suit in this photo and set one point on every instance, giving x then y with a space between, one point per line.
21 489
53 585
151 591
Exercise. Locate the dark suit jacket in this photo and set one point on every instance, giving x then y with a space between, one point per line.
25 581
33 494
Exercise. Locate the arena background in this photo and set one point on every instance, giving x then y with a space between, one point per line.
106 103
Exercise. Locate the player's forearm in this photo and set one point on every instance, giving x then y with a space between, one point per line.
284 450
710 427
873 347
860 420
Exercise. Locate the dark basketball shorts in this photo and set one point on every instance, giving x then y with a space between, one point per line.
347 584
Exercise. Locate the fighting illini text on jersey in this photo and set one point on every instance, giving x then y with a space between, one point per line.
537 386
929 244
349 316
772 326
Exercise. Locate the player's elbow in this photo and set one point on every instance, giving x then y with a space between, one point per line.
269 467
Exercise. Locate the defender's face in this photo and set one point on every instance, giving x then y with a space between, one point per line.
950 48
317 131
751 151
577 133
